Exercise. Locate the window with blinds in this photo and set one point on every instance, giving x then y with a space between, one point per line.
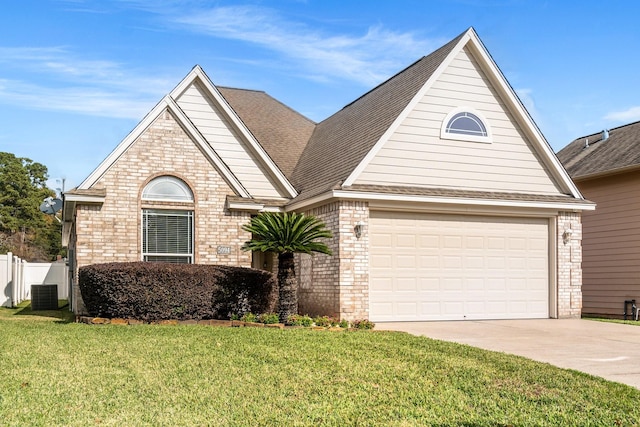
167 235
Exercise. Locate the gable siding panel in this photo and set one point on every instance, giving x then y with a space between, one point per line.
226 142
611 244
416 155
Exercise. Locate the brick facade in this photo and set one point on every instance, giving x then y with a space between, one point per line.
336 285
112 232
569 264
339 284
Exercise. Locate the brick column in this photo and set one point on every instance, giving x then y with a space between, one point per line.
569 264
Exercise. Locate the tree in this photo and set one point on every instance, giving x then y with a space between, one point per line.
286 234
25 230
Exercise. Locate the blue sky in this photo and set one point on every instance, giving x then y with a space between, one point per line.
77 75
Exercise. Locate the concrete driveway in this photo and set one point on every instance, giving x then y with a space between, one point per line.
607 350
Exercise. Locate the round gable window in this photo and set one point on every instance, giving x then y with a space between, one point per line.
466 125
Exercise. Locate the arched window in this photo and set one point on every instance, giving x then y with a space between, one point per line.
167 233
465 124
168 188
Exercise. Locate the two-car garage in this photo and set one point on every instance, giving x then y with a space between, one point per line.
457 267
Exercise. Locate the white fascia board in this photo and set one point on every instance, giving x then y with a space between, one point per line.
212 156
271 209
464 201
199 73
544 149
245 207
403 115
66 233
383 197
83 198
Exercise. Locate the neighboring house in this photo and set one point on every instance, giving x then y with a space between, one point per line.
606 168
444 198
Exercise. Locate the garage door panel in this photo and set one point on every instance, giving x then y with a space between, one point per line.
383 310
381 261
382 284
439 267
429 284
405 241
407 284
452 261
452 242
537 244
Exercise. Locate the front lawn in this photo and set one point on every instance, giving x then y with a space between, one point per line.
624 322
69 374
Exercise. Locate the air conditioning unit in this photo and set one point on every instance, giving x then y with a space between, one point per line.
44 297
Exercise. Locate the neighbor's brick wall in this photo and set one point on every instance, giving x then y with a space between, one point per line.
112 232
569 259
339 284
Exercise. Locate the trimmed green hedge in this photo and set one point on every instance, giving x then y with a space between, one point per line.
155 291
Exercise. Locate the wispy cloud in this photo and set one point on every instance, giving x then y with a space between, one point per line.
365 58
55 79
629 115
527 99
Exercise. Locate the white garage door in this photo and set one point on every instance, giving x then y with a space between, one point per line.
455 267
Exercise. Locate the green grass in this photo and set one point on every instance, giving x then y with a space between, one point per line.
624 322
72 374
23 311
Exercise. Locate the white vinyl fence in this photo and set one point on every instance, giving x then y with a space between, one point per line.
17 276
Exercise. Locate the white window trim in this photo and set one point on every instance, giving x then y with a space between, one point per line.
187 213
462 137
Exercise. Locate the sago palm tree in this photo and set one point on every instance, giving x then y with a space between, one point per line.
285 234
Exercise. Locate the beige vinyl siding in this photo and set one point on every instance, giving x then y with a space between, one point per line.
416 155
611 244
226 142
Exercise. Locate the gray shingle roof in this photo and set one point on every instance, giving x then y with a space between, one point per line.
281 131
620 151
340 142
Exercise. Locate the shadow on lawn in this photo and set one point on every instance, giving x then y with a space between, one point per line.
61 314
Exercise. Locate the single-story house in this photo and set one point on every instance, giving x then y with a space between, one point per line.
444 199
606 168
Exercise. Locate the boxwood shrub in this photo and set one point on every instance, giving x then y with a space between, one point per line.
155 291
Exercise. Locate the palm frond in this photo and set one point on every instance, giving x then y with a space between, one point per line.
287 232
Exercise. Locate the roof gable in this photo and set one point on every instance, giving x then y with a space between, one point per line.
419 152
217 107
351 138
234 175
595 154
166 104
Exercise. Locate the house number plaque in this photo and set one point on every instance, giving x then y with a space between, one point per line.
224 250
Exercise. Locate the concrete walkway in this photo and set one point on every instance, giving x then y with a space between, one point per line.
607 350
